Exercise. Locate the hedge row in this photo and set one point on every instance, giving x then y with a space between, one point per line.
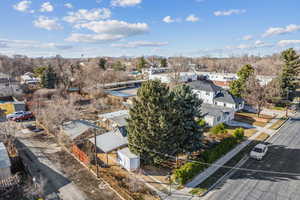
191 169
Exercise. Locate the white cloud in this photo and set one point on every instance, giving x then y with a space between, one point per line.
125 3
115 27
281 30
248 37
83 15
93 38
47 7
288 42
68 5
192 18
257 44
109 30
229 12
140 44
23 6
168 19
47 23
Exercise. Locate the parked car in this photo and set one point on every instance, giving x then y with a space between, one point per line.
20 116
259 151
15 114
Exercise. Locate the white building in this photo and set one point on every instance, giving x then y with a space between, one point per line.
128 160
5 164
29 78
168 77
223 79
218 104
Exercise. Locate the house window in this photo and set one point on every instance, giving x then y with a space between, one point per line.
218 118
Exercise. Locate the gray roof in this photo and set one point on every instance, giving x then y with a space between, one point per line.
75 128
204 86
110 141
225 96
127 153
213 110
4 159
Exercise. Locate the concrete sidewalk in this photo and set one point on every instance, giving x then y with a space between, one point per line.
184 193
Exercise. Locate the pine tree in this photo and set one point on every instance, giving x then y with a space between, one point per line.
151 130
289 72
102 63
164 62
48 79
187 107
237 87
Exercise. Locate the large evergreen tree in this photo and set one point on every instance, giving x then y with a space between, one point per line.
188 131
237 87
289 72
151 130
49 79
102 63
164 62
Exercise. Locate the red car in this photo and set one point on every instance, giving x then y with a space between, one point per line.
23 117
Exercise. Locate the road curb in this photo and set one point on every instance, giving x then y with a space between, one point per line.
241 162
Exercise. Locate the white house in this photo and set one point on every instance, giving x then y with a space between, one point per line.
218 104
214 115
209 93
128 160
29 78
5 164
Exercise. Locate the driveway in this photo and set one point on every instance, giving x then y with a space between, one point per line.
280 178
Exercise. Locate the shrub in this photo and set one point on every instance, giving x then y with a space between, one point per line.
187 171
202 123
239 133
191 169
219 129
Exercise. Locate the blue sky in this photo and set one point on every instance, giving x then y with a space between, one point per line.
148 27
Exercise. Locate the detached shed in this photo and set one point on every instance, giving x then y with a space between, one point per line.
128 160
5 164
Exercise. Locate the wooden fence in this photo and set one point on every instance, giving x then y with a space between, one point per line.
80 155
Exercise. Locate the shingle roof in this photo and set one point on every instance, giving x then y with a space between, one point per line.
4 159
225 96
213 110
204 86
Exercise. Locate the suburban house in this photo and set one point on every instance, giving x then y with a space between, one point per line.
5 164
9 86
218 104
75 129
29 78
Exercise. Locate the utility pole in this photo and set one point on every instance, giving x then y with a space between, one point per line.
96 158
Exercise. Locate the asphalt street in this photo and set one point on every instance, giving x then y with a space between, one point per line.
283 159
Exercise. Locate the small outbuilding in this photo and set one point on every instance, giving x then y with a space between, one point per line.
5 163
128 160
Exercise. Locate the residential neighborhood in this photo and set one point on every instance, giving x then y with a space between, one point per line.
131 100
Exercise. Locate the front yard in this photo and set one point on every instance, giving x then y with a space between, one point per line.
253 119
